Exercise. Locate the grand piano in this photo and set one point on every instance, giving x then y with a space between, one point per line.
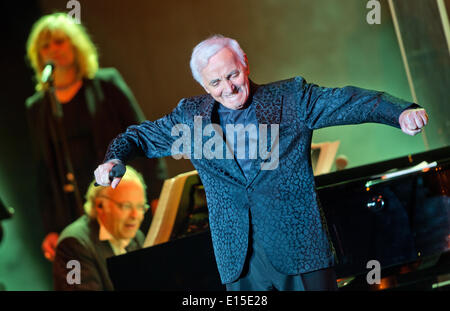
396 212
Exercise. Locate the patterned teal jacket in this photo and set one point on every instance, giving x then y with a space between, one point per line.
280 203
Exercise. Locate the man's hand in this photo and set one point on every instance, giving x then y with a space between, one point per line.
101 174
49 245
413 120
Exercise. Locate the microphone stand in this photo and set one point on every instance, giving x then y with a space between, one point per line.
66 172
55 104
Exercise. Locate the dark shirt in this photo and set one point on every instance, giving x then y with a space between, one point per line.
241 119
77 124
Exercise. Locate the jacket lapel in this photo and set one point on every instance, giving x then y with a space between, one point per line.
226 167
268 111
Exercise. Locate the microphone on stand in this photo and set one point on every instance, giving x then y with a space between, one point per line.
47 76
47 72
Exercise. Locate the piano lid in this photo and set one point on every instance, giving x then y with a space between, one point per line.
392 220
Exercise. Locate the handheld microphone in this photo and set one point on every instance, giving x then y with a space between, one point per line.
47 72
117 170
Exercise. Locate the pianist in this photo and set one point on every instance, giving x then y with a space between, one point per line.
267 228
109 227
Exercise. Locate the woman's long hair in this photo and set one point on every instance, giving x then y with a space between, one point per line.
86 56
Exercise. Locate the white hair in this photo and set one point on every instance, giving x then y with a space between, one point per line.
94 191
210 47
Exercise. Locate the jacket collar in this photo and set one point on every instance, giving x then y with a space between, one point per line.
268 111
102 240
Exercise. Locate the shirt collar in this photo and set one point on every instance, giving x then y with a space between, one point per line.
118 246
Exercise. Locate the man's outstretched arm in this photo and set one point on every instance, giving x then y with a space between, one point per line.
149 139
322 107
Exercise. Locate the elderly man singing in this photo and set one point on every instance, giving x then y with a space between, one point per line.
267 228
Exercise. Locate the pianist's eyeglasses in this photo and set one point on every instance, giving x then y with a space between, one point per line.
128 206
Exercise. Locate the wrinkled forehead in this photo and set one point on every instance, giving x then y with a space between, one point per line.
126 191
222 63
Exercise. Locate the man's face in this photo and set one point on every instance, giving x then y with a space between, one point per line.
226 79
122 223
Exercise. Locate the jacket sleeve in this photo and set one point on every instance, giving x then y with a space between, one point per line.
71 249
128 112
150 139
322 107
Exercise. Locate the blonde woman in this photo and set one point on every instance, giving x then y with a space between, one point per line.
96 104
